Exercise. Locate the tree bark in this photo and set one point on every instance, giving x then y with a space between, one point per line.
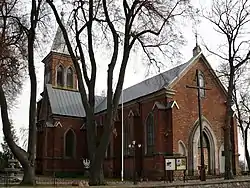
246 149
247 156
29 177
227 131
97 153
96 174
18 152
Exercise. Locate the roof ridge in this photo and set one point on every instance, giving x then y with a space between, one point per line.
157 75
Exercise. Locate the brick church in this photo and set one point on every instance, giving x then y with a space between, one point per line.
160 113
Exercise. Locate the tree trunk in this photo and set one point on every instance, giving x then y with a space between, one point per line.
29 177
96 175
246 149
227 131
247 157
97 153
18 152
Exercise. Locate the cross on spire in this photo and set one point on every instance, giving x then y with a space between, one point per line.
62 14
196 38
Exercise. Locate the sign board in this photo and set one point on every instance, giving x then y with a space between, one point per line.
170 164
181 163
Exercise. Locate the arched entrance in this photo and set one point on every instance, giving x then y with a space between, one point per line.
207 153
210 148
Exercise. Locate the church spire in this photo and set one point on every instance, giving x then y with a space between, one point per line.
197 48
59 42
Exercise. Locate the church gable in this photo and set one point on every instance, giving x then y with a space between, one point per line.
212 107
202 65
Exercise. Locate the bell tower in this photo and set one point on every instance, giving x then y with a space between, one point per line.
59 70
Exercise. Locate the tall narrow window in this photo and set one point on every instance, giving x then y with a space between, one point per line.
59 78
70 77
202 84
150 137
126 136
70 143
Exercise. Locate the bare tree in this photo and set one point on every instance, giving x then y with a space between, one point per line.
6 149
231 19
243 116
13 23
241 100
122 26
11 46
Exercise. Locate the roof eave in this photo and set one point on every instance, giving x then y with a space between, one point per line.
54 53
67 116
188 67
216 77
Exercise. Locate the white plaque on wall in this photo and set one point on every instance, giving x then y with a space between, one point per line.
169 164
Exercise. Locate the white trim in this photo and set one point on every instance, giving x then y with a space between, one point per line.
193 141
161 106
83 126
181 143
175 104
131 113
57 123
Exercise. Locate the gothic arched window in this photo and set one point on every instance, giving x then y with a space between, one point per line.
70 77
150 137
202 84
127 132
59 77
70 140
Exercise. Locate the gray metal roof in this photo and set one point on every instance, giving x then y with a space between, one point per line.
150 85
65 102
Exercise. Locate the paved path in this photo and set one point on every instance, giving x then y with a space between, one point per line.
192 184
242 181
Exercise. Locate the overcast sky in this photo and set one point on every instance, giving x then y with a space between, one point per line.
134 73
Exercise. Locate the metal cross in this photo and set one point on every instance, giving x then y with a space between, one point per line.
198 87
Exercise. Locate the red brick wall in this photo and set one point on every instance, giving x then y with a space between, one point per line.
55 59
164 128
213 106
54 158
149 164
170 126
